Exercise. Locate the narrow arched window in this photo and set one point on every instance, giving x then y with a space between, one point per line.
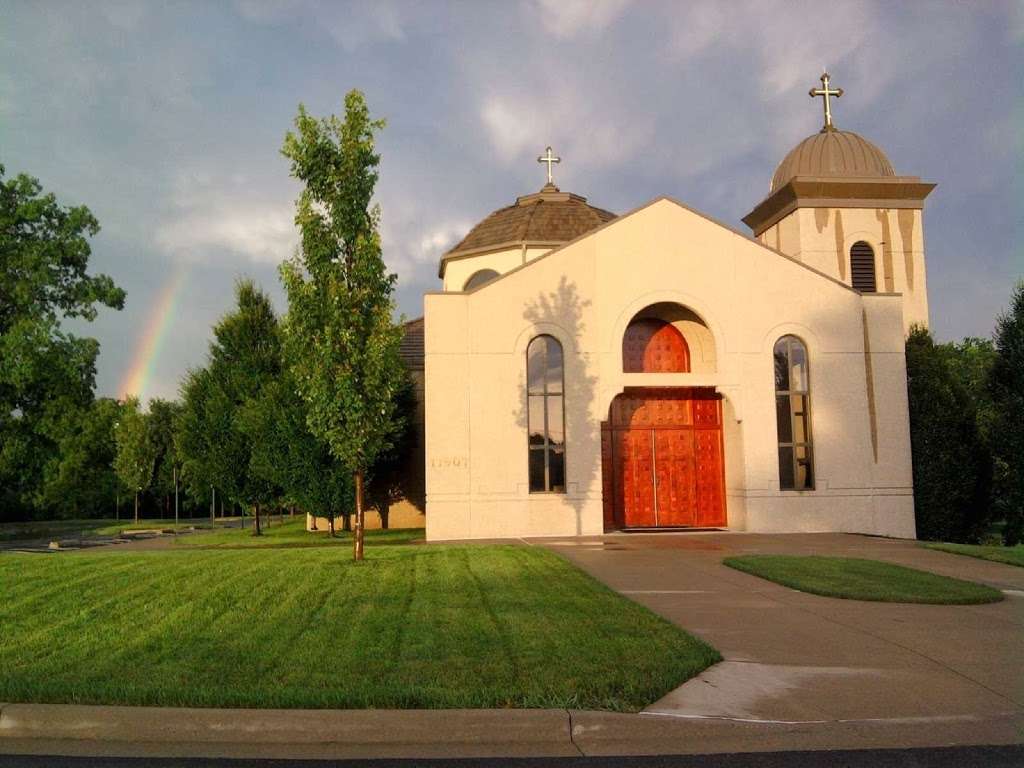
545 395
478 278
793 415
862 267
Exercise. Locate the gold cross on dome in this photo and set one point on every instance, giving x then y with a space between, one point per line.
550 159
825 92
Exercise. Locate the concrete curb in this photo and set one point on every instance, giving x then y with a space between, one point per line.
549 728
332 734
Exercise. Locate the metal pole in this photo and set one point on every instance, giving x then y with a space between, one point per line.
175 500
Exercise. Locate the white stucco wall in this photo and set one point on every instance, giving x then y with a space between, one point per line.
747 296
458 270
822 238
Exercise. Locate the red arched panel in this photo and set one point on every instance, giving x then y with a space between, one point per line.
654 346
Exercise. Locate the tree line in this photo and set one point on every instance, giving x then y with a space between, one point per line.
967 432
309 410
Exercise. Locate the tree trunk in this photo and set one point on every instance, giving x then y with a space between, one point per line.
384 511
136 507
256 517
357 551
330 522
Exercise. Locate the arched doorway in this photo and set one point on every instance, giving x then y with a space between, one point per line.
662 459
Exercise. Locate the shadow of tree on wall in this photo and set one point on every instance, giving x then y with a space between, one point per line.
560 313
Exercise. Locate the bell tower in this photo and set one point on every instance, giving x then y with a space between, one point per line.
836 204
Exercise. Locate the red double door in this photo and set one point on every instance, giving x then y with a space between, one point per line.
663 456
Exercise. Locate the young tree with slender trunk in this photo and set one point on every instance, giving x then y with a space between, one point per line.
136 451
340 340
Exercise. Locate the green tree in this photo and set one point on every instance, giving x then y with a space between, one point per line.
136 452
244 357
197 431
288 456
1006 383
971 361
340 340
162 417
79 479
44 371
951 464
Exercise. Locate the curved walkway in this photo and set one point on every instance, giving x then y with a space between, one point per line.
796 658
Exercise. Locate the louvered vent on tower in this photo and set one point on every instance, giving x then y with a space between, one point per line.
862 267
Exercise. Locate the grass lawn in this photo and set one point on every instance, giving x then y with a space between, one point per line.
1008 555
412 626
290 533
857 579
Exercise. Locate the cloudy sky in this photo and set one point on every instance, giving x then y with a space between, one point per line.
166 119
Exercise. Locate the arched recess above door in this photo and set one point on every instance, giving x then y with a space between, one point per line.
653 345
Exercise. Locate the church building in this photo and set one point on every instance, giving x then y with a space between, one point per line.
586 372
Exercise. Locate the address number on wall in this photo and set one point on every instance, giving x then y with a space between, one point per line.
448 462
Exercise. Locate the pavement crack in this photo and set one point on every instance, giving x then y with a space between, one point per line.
572 734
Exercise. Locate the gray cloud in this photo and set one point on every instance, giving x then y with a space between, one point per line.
167 121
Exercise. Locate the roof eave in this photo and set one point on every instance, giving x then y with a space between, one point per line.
837 192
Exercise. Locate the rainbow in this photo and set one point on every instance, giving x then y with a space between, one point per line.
138 378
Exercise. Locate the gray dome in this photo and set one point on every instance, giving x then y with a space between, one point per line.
833 153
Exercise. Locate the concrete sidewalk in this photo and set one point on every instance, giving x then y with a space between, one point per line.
796 658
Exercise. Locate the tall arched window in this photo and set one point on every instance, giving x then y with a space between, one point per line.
862 267
793 415
545 394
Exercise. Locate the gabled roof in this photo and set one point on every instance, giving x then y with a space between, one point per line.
655 201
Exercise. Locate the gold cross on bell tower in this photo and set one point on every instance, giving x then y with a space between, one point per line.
825 92
550 159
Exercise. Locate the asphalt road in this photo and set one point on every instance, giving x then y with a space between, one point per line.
948 757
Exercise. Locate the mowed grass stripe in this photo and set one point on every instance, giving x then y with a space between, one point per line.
21 597
106 627
168 625
83 604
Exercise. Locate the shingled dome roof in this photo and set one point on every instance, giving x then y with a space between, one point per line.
833 153
548 217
